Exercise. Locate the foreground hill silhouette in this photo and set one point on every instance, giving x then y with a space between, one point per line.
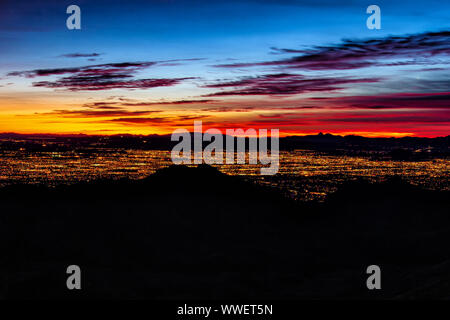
196 233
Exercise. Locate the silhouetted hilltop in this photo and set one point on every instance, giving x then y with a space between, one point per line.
197 233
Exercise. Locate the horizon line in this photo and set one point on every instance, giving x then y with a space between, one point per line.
191 132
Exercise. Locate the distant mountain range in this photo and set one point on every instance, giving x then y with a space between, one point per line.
322 142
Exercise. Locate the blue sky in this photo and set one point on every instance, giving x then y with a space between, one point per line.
214 29
192 40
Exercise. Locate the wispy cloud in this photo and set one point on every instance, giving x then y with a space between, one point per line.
175 102
125 103
425 101
184 120
80 55
355 54
122 68
97 113
283 84
99 77
107 82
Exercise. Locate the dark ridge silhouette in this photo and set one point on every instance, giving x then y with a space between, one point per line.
195 233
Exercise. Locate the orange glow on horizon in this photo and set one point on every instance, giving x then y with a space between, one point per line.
53 125
165 121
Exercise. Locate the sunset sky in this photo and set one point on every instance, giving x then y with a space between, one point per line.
145 67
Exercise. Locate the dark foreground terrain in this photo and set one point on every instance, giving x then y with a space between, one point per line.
186 233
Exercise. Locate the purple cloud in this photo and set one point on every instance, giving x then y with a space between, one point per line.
158 120
107 82
99 77
282 84
121 69
354 54
80 55
97 113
